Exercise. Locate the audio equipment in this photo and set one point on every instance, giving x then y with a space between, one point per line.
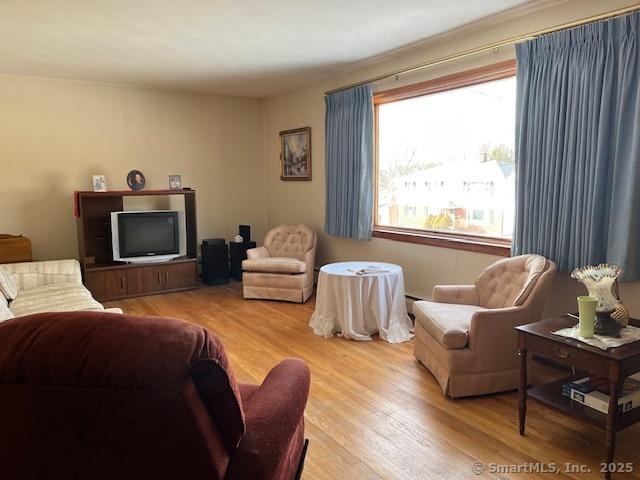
238 253
215 261
245 232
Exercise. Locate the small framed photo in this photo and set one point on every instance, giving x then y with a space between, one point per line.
136 180
295 154
175 182
99 183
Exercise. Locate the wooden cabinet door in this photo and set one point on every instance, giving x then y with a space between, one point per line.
180 275
144 280
106 284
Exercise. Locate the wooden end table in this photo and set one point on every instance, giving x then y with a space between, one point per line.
614 364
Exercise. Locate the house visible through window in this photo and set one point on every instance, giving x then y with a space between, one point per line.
445 156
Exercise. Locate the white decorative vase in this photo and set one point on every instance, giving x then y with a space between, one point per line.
602 283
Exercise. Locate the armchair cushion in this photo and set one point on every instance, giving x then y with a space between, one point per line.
290 241
447 323
8 288
274 265
508 282
61 297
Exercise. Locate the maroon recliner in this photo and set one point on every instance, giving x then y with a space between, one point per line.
91 395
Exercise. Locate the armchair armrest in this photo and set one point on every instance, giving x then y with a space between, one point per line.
36 274
457 294
309 258
493 332
273 439
259 252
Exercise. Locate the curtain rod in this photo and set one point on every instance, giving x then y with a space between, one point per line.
490 46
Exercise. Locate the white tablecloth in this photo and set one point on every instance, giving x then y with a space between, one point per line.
357 306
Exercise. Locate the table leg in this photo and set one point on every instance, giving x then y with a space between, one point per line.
522 390
612 419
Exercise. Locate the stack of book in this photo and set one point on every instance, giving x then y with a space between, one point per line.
582 391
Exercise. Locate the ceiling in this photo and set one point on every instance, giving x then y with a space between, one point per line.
236 47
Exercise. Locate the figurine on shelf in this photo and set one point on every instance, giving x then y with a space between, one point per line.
602 283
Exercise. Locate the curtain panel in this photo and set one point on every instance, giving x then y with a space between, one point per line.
578 146
349 163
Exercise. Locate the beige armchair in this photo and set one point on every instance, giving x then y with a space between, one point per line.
282 269
466 335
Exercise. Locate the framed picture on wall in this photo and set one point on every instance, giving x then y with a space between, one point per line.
295 154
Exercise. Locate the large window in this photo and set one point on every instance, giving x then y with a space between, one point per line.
445 161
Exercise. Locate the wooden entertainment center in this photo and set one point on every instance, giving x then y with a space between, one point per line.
109 280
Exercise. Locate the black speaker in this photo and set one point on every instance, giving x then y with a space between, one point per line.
245 232
215 261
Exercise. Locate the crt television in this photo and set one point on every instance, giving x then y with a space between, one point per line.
148 236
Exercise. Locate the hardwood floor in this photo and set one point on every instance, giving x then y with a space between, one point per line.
374 412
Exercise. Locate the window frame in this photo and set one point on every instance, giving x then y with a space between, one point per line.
459 241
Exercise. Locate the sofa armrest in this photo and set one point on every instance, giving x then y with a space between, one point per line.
274 416
259 252
456 294
36 274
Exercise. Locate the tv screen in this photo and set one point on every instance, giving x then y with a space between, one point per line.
148 233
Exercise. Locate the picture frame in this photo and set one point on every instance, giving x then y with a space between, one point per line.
295 154
136 180
99 183
175 182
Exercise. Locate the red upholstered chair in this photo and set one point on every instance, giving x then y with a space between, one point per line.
92 395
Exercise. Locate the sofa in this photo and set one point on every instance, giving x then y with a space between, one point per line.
283 268
93 395
49 286
466 335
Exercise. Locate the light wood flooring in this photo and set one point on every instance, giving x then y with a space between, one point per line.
375 413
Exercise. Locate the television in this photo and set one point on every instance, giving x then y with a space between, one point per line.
148 236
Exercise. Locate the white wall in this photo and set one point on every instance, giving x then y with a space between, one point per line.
424 266
55 134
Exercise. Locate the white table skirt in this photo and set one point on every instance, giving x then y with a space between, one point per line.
357 306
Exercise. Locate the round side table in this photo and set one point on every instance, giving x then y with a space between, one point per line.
358 299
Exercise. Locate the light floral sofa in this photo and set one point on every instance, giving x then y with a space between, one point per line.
50 286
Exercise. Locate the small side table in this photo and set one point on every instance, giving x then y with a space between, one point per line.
238 253
359 306
614 364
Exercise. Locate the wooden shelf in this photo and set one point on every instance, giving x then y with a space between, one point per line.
131 193
551 394
119 265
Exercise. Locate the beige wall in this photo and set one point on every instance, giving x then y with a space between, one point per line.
424 266
55 134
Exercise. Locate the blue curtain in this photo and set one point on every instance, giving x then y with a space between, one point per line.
349 163
578 146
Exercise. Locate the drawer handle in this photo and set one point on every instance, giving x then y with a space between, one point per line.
166 277
159 279
561 352
122 283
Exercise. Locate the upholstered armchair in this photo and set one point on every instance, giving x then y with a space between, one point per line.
281 269
105 396
466 335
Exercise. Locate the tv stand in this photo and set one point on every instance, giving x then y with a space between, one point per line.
109 280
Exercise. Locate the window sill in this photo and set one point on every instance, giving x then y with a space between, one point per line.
471 243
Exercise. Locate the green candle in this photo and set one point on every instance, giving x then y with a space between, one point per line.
587 314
